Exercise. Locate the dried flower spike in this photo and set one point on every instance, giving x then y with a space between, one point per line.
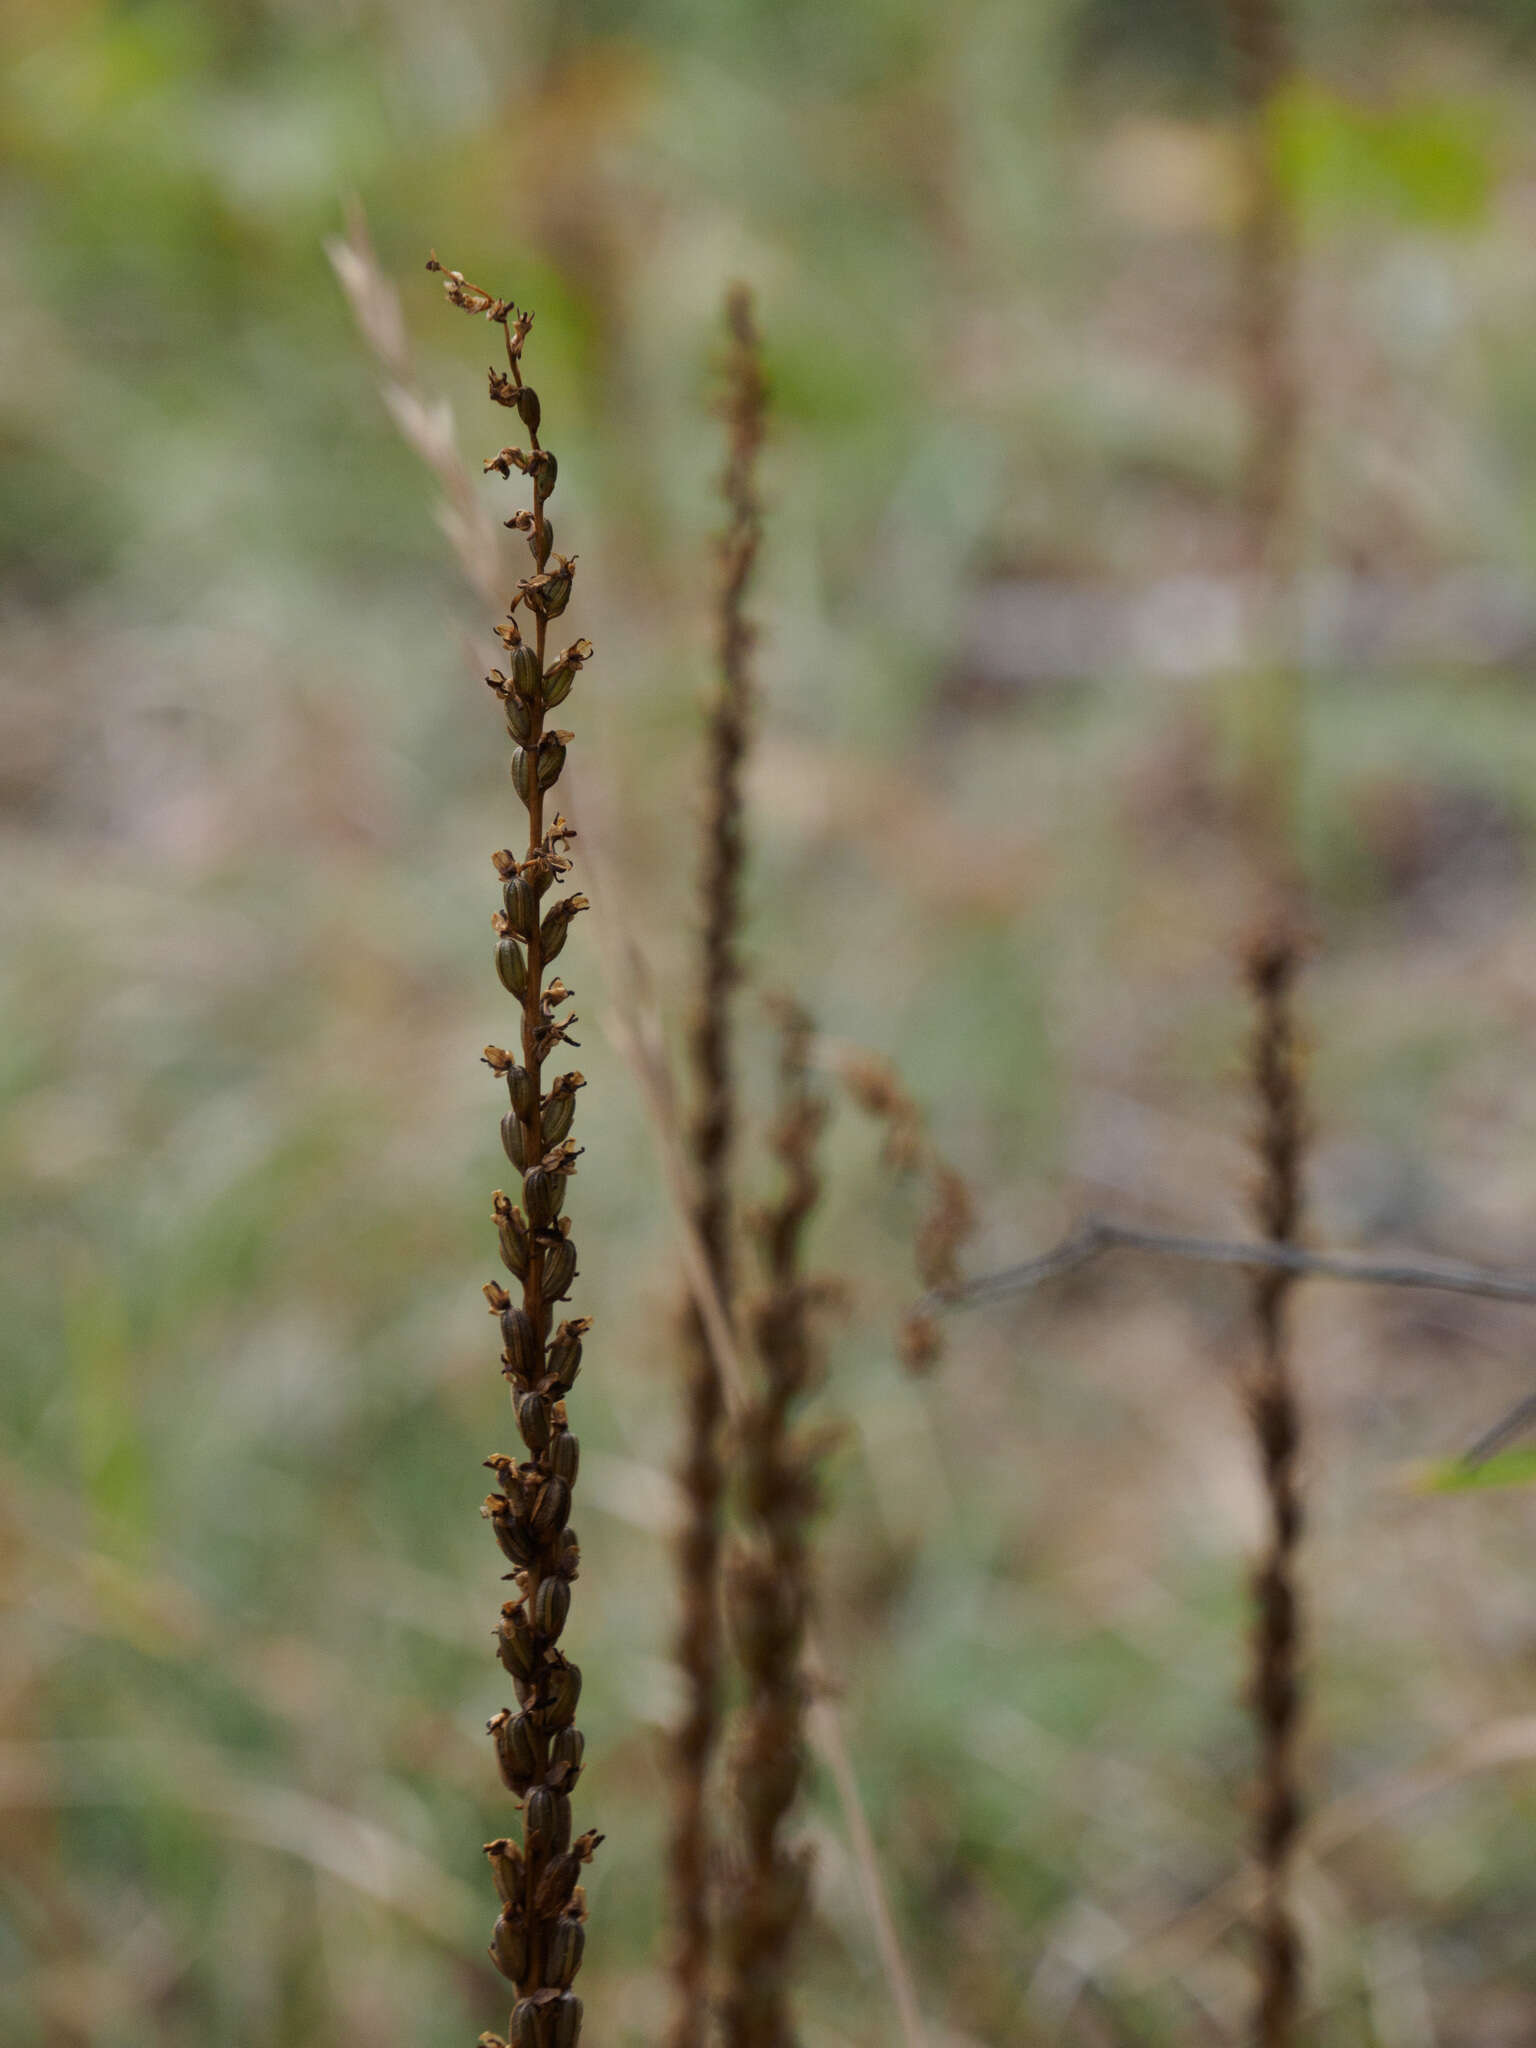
769 1588
538 1749
712 1136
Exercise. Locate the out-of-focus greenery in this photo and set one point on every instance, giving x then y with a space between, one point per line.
249 784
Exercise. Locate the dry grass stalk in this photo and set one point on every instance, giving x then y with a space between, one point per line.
540 1934
424 424
948 1217
712 1140
1275 1694
769 1586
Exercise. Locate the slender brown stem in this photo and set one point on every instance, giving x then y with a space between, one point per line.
713 1134
540 1934
1275 1688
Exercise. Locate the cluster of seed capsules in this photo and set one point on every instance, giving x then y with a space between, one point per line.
540 1934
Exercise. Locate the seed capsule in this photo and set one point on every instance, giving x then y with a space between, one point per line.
544 1195
513 1539
514 1642
506 1869
547 1822
515 1755
528 408
557 1884
524 1090
511 966
512 1233
533 1420
541 1190
565 1459
559 1108
509 1949
564 1360
567 1746
557 922
512 1139
544 470
559 679
527 2029
521 906
517 1333
565 1947
519 718
552 1509
522 779
525 678
551 1606
559 1269
551 759
564 1694
565 2021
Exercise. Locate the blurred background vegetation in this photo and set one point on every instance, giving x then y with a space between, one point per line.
247 788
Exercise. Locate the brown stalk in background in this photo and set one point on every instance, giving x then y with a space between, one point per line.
712 1139
540 1934
769 1586
1273 964
1267 292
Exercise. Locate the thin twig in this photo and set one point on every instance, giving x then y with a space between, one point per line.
1096 1235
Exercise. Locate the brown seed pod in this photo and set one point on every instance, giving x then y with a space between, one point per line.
538 1821
551 1606
513 1539
528 408
519 714
509 1948
551 759
522 775
559 1109
511 966
515 1643
565 2021
565 1946
564 1357
559 1269
515 1755
527 2025
544 470
521 906
567 1746
543 1195
559 679
533 1419
552 1509
521 1340
512 1139
557 923
523 1089
512 1234
506 1860
565 1457
525 678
